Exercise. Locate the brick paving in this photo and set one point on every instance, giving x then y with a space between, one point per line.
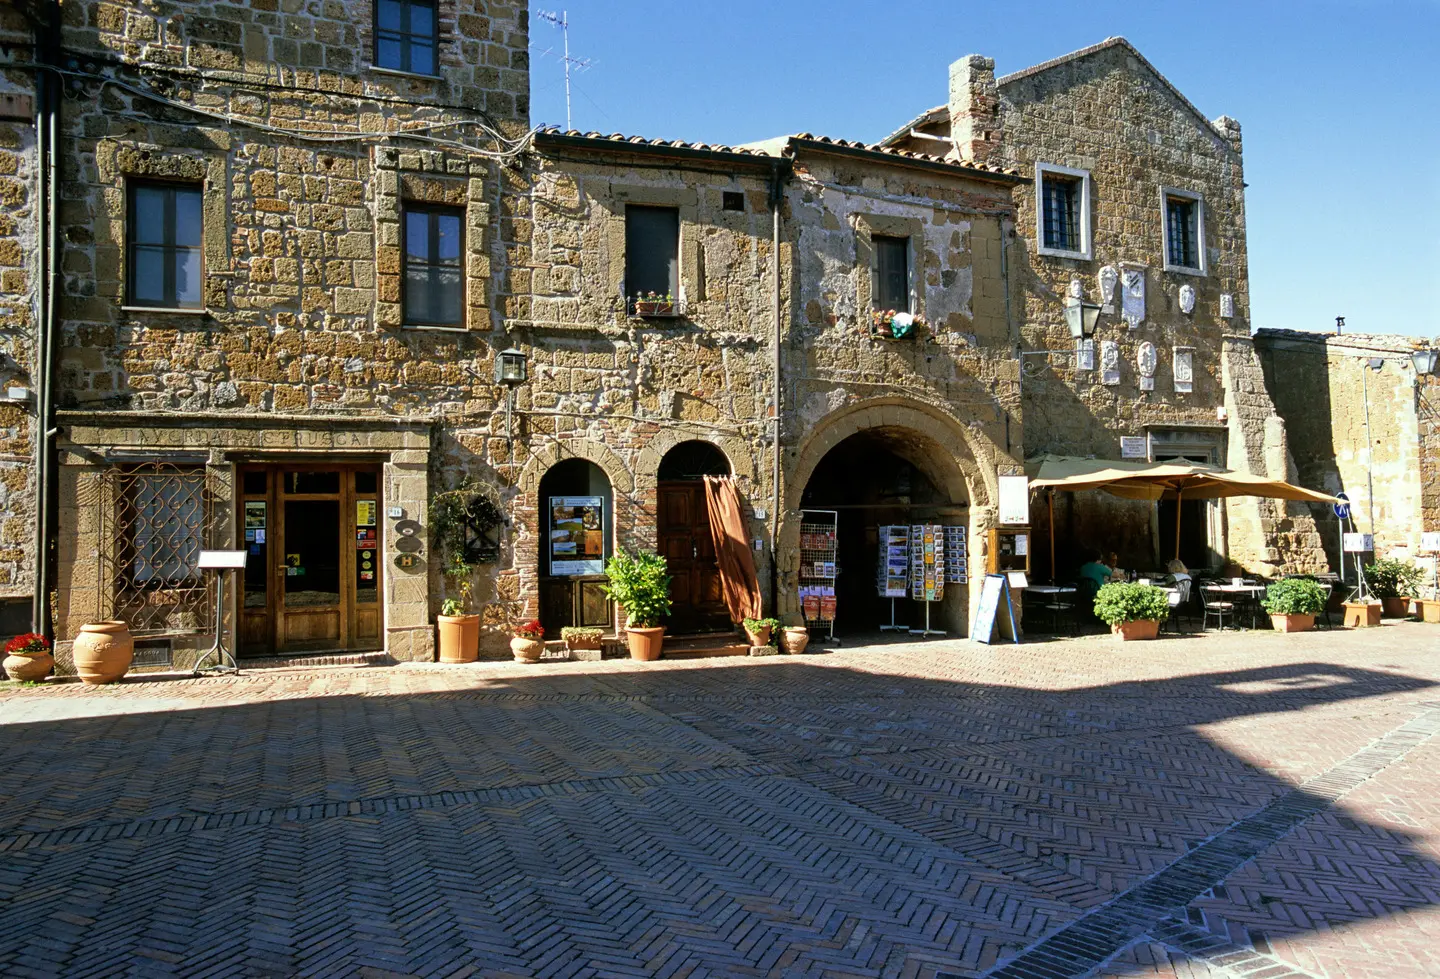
1249 805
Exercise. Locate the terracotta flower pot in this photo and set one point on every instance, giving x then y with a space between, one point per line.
1292 623
1396 608
103 651
794 639
1429 609
758 637
1138 629
526 650
29 666
1359 615
459 638
645 643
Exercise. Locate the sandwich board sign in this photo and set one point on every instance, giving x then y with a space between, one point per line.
994 591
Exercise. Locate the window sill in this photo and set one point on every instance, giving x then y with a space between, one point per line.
1184 270
405 74
172 310
1063 253
427 328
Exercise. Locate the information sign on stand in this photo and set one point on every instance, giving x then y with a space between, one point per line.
994 591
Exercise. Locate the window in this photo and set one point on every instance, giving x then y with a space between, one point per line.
1062 211
1184 231
163 239
732 200
169 521
652 251
892 273
434 284
405 35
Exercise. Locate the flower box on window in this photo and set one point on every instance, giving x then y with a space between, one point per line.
652 304
888 324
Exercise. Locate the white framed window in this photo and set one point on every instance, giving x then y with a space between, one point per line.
1062 211
1183 234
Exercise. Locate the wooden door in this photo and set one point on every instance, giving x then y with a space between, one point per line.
313 573
697 602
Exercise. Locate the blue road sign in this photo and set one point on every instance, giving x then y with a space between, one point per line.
1342 509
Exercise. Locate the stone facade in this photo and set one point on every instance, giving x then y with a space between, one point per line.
1359 417
1105 116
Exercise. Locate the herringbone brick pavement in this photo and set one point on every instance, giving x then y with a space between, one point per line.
898 810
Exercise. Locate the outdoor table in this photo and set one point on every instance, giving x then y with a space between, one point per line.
1251 592
1050 589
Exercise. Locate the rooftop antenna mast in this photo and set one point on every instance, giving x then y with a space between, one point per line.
562 21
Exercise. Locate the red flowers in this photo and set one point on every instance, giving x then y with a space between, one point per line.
530 630
29 642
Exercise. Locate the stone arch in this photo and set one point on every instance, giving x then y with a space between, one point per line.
955 457
738 451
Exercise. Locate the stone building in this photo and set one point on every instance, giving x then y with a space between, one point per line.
322 289
1362 416
1137 205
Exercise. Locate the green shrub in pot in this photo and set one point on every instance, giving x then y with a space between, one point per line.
1121 601
1389 578
639 583
1294 596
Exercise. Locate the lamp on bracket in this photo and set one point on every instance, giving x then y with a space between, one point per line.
511 370
1081 317
1424 359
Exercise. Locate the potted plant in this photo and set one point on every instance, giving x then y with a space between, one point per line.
528 641
888 324
579 637
1429 607
1394 583
27 657
459 630
761 632
794 639
1293 604
654 304
1132 611
103 651
640 584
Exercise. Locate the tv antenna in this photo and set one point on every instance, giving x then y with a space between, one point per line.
562 21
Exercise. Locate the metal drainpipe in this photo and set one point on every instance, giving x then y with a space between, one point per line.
775 200
47 124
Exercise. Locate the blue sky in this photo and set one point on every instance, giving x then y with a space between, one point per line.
1340 104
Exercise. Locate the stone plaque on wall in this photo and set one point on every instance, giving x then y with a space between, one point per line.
1085 354
1145 362
1109 362
1227 306
1109 275
1184 369
1133 300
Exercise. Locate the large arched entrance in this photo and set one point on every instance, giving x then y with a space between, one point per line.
880 483
577 521
683 537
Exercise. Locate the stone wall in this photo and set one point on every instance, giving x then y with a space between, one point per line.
1108 112
1321 384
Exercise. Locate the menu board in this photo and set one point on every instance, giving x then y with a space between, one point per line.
577 535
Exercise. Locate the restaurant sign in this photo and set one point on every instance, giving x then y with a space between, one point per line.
577 535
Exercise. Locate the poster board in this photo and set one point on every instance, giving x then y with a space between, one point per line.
994 591
577 535
1014 499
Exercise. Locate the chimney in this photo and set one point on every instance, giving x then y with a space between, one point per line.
975 109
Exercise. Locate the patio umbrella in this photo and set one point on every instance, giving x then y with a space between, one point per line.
1174 480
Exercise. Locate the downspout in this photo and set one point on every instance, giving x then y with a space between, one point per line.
47 125
1010 331
775 200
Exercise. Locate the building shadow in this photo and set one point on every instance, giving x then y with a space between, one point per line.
771 817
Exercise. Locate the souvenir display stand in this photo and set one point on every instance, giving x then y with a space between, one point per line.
927 570
892 576
818 529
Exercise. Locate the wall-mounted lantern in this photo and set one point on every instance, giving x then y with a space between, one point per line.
510 367
1424 359
1081 317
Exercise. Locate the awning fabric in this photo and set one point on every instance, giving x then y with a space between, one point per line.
1162 480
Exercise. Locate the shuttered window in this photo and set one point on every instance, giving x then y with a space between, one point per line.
892 273
652 251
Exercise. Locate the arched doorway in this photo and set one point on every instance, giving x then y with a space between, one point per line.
683 537
886 477
577 523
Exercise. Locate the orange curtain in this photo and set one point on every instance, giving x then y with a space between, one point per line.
732 549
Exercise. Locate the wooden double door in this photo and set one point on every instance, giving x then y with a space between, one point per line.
683 531
313 571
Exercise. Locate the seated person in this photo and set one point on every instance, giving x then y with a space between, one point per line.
1177 566
1116 573
1092 571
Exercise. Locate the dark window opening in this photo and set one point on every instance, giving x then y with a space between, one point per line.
652 251
1182 231
892 279
434 283
405 35
732 200
1060 200
163 238
692 460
